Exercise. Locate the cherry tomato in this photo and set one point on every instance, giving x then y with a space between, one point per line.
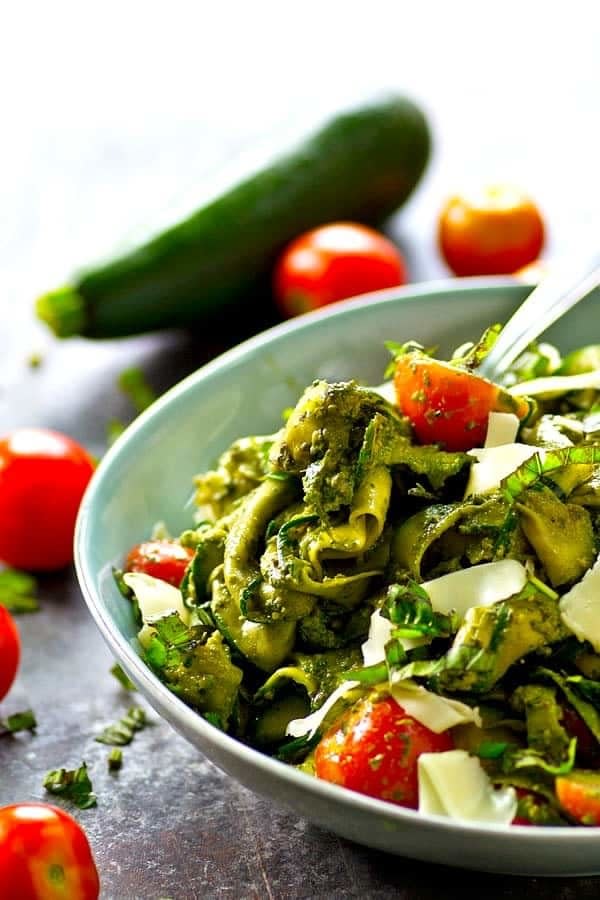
374 748
495 232
10 651
579 795
447 405
334 262
44 855
161 559
43 475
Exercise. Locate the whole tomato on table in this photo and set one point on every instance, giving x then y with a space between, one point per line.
10 651
374 749
44 855
495 231
333 262
43 475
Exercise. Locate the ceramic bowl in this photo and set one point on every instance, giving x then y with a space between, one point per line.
147 476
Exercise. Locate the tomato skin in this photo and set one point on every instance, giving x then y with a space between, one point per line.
495 232
333 262
163 559
10 651
374 748
579 795
43 475
37 841
447 405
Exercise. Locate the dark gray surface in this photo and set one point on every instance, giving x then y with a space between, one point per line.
171 825
100 144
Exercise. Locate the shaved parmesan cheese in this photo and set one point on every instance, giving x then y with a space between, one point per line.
310 724
156 598
480 585
454 784
380 632
495 463
554 385
502 429
580 607
435 712
387 391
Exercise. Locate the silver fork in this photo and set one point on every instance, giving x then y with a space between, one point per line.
551 299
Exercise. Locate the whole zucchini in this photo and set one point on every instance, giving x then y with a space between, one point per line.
360 166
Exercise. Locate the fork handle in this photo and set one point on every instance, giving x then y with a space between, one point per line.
545 304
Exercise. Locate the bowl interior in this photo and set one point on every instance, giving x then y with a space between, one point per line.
147 477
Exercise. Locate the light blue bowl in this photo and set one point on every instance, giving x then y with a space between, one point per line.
147 477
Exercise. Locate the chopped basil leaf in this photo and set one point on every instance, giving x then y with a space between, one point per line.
133 384
73 785
18 591
122 732
123 588
491 749
115 759
19 721
214 719
122 677
114 429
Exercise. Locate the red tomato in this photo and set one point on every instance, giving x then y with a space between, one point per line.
44 855
579 795
43 475
334 262
447 405
161 559
373 749
10 651
493 233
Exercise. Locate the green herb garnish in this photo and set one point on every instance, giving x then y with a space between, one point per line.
73 785
132 382
409 609
491 749
122 677
35 360
18 591
122 732
115 759
114 429
19 721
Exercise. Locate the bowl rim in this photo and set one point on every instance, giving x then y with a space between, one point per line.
157 694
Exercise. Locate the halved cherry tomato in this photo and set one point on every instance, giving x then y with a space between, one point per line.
43 475
334 262
494 232
447 405
163 559
579 795
374 748
10 651
44 855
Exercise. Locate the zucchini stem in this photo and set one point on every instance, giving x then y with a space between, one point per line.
63 310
